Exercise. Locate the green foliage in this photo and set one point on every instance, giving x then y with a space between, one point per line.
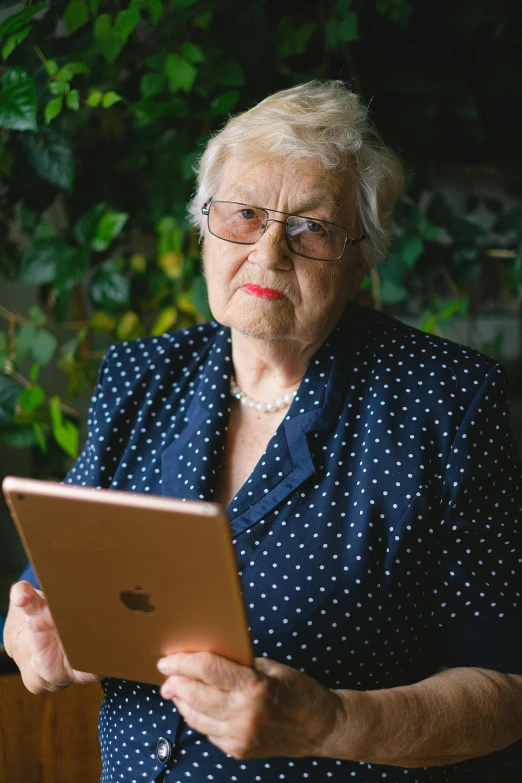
18 101
105 108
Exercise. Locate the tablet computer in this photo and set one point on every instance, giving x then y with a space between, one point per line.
130 578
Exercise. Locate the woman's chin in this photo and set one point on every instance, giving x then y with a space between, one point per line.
257 323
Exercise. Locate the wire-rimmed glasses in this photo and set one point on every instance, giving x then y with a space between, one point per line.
309 237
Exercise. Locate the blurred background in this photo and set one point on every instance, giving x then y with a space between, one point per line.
105 106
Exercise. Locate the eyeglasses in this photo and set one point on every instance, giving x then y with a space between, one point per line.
244 224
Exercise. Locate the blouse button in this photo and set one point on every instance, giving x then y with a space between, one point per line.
164 750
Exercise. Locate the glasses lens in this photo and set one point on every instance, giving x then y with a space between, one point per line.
315 238
236 222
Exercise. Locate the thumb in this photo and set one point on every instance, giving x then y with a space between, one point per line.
24 596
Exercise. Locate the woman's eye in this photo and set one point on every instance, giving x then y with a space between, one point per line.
248 214
315 228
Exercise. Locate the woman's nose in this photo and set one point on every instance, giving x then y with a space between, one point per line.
271 249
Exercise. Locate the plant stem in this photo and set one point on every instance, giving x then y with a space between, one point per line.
41 55
451 283
26 383
21 319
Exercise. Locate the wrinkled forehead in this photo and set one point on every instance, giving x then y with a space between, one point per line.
302 186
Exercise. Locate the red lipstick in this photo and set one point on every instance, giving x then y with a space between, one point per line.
264 293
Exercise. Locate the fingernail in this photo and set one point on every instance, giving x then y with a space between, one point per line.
162 665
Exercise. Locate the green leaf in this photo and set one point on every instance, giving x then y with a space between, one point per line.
110 41
180 73
165 320
51 66
149 111
38 265
127 21
225 102
152 83
20 437
13 41
509 222
94 98
69 71
24 341
348 28
53 109
51 156
110 289
72 265
44 346
34 372
18 102
170 236
110 98
40 436
73 100
76 15
192 53
112 38
31 398
37 315
9 394
62 306
392 293
155 9
58 88
64 432
411 248
85 229
303 34
199 296
156 62
15 22
128 327
109 227
231 74
398 11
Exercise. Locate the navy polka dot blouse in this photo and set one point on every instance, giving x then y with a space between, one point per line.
376 539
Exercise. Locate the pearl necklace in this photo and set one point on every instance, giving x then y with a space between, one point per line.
264 407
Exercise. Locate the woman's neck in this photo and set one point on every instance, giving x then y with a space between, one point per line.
266 370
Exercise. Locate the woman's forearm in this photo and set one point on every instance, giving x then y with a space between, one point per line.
454 715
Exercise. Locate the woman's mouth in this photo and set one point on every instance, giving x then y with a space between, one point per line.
264 293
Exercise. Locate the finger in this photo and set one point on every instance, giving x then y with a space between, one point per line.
83 678
202 723
205 699
22 594
208 668
34 606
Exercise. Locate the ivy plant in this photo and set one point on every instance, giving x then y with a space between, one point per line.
105 107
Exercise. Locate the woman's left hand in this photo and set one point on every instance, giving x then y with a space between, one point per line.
267 710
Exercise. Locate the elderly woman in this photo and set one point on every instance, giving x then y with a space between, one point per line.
370 477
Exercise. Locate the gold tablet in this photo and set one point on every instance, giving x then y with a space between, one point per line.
130 578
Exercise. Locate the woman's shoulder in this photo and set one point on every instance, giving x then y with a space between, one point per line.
173 345
405 345
401 358
172 352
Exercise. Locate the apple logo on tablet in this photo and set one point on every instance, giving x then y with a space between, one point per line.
137 600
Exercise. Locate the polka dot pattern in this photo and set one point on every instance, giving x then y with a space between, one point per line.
377 538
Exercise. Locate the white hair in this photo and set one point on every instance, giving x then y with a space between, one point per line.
323 121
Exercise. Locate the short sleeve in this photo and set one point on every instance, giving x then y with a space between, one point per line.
478 597
86 469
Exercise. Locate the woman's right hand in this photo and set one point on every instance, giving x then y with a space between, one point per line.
31 639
